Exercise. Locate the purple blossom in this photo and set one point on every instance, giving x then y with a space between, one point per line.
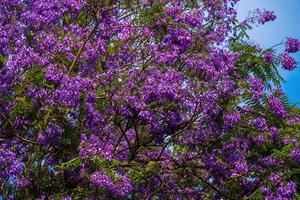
266 16
10 167
52 134
67 198
241 166
256 87
178 38
295 155
122 188
277 107
287 62
260 123
268 57
53 74
231 119
100 179
260 139
92 146
274 178
292 45
294 120
274 133
286 190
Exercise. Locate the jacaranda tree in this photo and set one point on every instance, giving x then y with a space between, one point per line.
143 99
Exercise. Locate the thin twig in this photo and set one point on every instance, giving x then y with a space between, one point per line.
15 131
81 49
190 122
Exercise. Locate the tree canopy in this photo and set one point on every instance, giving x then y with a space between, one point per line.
143 99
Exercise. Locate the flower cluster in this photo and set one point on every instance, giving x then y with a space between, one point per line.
287 62
285 191
256 87
121 188
9 164
260 124
231 118
52 134
292 45
268 57
295 155
277 107
267 16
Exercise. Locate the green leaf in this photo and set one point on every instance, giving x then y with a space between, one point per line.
24 106
35 75
72 164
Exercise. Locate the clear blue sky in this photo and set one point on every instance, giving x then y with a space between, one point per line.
287 24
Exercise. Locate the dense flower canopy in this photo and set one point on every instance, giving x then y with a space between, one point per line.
143 99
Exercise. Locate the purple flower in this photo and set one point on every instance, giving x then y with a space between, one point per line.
287 62
292 45
241 166
52 134
268 57
194 19
67 198
256 87
120 188
274 133
295 155
294 120
274 178
260 123
277 107
231 119
53 74
286 190
266 16
260 139
10 166
100 179
178 38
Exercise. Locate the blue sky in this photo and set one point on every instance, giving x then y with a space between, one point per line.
287 24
